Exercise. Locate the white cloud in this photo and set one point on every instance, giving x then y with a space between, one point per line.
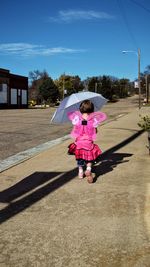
25 49
71 15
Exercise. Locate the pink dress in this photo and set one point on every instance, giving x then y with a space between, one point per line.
84 133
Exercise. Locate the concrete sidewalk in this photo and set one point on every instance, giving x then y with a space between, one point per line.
51 219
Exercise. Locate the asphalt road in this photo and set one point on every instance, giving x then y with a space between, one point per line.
21 129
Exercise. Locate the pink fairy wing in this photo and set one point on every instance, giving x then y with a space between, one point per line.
96 118
75 117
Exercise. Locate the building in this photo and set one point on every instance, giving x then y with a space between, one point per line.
13 90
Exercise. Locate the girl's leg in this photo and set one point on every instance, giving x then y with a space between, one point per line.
89 166
81 164
88 172
80 174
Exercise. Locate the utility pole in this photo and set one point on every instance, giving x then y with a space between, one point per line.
146 80
96 87
147 87
139 78
138 53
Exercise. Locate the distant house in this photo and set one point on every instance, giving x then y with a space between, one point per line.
13 90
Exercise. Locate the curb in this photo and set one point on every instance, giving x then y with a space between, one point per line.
29 153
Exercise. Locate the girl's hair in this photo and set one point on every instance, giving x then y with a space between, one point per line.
86 106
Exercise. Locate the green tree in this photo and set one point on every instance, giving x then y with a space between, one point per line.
147 70
36 75
109 86
123 88
49 91
67 85
145 82
93 84
77 83
36 78
106 88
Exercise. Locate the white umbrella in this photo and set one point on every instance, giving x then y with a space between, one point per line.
72 103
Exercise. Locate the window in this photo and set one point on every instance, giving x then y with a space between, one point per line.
3 93
13 96
24 97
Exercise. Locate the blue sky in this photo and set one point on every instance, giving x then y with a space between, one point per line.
76 37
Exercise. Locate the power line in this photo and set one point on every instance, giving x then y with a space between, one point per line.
140 5
122 10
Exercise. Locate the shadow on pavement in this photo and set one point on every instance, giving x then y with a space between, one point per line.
26 185
108 164
28 200
108 161
122 144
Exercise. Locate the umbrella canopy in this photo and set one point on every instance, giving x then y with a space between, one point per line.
72 103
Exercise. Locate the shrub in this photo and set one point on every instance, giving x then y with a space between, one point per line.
144 123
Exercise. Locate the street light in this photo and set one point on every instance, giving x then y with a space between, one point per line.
138 53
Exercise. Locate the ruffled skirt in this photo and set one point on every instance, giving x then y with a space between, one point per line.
87 155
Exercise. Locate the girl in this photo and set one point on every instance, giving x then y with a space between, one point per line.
84 132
